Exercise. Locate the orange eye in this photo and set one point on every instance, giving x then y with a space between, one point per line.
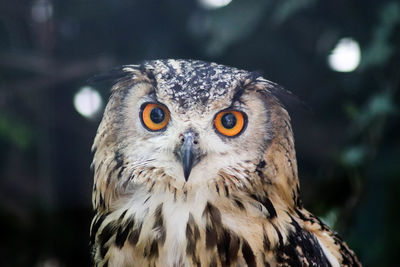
230 122
154 116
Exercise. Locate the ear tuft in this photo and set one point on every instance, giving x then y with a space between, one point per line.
285 97
114 75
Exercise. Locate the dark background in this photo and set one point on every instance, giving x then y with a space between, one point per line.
348 146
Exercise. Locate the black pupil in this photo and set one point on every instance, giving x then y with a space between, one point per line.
157 115
228 120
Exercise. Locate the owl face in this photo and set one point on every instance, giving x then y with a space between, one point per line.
192 121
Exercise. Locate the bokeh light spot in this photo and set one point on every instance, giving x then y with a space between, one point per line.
346 55
42 10
214 4
88 102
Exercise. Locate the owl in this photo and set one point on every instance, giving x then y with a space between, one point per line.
194 165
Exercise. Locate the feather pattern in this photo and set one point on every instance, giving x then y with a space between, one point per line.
241 204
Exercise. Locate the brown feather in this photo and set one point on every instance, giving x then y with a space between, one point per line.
241 205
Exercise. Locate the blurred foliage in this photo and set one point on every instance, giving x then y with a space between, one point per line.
348 148
14 132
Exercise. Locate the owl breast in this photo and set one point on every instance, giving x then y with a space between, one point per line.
188 228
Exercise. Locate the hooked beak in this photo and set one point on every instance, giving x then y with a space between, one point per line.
189 153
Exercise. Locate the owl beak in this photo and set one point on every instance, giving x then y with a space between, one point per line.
188 153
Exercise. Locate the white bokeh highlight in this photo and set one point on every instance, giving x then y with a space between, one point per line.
41 11
346 55
88 102
214 4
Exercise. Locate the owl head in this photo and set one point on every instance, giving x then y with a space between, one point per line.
186 124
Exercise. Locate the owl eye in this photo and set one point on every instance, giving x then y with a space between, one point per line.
154 116
230 122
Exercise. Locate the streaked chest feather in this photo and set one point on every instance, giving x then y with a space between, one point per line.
187 229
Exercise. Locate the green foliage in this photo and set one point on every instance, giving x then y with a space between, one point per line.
380 49
15 132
